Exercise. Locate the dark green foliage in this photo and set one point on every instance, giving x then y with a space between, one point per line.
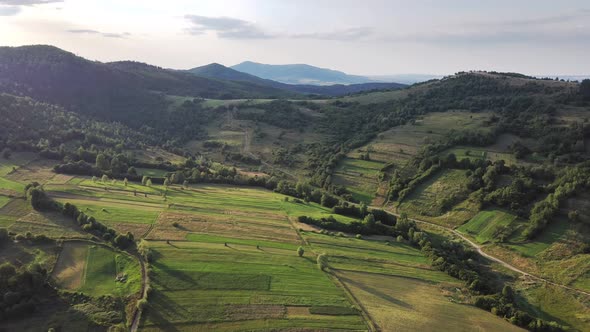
585 89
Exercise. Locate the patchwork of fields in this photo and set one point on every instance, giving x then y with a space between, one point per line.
225 256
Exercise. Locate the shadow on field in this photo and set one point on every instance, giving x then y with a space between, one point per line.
180 277
376 292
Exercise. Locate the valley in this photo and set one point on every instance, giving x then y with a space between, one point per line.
200 203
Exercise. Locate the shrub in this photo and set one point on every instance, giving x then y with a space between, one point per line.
322 262
358 236
142 304
300 251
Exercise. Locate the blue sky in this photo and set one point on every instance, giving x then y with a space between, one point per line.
360 37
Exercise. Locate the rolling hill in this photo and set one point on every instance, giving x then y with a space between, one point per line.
114 91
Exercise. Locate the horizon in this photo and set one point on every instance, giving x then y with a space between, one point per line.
380 38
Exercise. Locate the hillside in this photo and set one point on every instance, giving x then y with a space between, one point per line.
150 208
115 91
299 74
218 71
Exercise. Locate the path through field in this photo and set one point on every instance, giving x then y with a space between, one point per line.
507 265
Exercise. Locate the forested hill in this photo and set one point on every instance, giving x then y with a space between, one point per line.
114 91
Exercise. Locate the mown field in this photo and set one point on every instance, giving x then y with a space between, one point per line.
391 280
92 269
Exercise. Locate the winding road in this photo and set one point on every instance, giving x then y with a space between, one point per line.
478 248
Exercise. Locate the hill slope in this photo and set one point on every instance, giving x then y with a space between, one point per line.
115 91
299 74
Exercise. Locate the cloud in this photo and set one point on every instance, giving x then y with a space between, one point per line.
13 7
341 35
9 10
27 2
96 32
234 28
225 27
561 28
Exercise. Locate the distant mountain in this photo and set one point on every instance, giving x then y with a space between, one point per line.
299 74
218 71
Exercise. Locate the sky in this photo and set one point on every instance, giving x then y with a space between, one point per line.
369 37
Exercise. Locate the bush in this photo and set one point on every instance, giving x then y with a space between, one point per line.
322 262
300 251
142 304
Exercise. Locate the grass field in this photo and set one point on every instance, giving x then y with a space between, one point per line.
92 269
550 235
475 153
239 282
360 177
486 225
402 304
427 200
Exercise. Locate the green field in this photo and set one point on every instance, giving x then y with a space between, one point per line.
550 235
360 177
92 269
486 225
403 304
428 199
197 284
474 153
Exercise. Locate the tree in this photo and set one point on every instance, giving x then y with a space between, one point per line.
166 183
102 162
363 209
105 178
508 294
125 182
148 183
131 171
585 89
185 184
144 180
6 153
94 179
574 216
322 262
300 251
370 220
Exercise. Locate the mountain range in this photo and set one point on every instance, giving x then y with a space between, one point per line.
217 71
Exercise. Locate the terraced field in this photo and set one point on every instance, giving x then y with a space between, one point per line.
430 199
360 177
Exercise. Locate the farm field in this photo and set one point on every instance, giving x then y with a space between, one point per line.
239 283
474 153
443 198
92 269
360 177
487 224
391 280
398 304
